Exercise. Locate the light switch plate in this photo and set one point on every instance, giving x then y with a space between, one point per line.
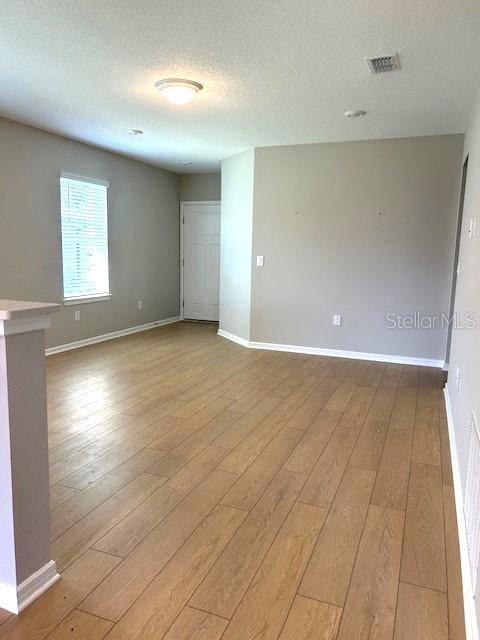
337 320
259 261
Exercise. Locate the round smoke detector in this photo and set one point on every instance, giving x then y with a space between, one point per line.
355 113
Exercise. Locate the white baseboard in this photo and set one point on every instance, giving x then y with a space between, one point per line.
335 353
233 338
471 622
110 336
17 598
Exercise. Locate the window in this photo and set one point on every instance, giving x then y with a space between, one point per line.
84 238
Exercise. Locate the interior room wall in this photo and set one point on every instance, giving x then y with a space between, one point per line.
143 232
361 229
236 244
465 349
200 186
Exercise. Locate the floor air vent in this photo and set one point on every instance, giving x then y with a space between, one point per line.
471 506
384 64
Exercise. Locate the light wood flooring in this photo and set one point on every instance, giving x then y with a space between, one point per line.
203 491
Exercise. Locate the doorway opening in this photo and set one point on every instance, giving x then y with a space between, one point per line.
455 260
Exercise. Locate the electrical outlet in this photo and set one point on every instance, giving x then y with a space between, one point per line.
472 227
140 304
77 316
337 320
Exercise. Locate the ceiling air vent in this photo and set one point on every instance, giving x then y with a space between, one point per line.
384 64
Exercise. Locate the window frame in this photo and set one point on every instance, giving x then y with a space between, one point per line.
101 297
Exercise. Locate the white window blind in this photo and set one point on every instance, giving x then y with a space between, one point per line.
84 237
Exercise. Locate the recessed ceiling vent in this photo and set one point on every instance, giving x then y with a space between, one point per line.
384 64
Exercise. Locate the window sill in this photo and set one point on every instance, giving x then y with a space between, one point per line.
71 301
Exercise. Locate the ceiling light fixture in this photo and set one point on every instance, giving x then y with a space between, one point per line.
185 164
135 132
178 91
355 113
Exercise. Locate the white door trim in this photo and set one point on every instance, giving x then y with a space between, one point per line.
182 203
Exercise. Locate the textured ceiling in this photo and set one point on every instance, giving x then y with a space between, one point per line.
275 71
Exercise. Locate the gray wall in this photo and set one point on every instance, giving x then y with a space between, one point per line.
27 403
143 232
465 350
327 250
200 186
236 244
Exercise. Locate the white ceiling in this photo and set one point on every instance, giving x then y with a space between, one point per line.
275 71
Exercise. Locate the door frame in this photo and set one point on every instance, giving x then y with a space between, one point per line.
182 227
456 259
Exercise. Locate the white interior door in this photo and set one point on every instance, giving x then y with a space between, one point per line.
201 260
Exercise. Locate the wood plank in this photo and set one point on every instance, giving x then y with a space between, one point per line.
120 590
312 406
43 615
391 376
111 459
422 614
326 476
226 584
4 615
81 626
368 449
100 466
429 377
71 511
456 616
139 433
312 444
175 437
371 601
251 485
358 407
73 462
176 459
67 547
403 413
330 568
311 620
426 438
369 446
391 486
250 448
373 375
410 377
153 613
103 436
423 562
129 532
342 395
197 469
277 579
60 494
247 423
192 624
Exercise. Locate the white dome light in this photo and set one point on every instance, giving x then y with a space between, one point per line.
178 91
